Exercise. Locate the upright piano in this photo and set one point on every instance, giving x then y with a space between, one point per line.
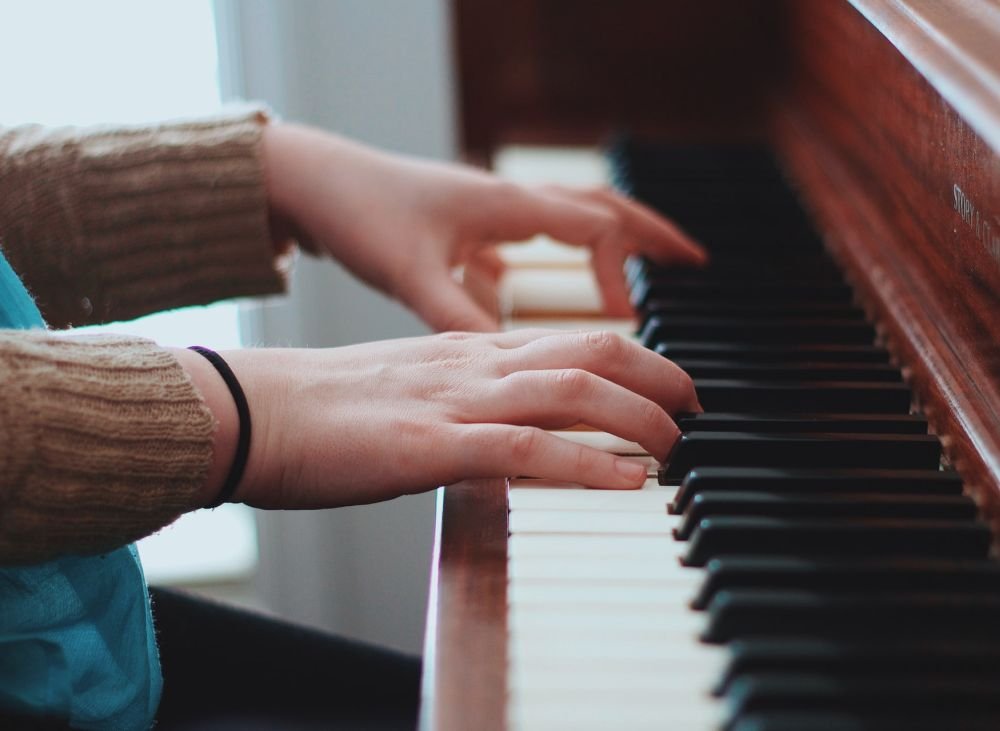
819 550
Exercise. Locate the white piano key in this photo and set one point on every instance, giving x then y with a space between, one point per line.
584 547
611 570
624 650
679 679
548 593
619 621
547 164
586 617
598 611
540 291
541 483
527 657
650 501
583 714
593 678
590 522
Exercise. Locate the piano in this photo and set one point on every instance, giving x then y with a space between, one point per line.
819 551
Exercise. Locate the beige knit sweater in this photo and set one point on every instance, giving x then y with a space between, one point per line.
103 439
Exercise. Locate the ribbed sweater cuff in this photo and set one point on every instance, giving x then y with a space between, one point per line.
105 441
112 223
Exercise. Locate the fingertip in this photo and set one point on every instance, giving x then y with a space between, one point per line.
618 308
456 311
699 252
633 474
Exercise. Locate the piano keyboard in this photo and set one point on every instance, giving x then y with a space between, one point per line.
801 560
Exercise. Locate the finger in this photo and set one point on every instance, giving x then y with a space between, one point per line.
444 305
643 229
489 262
612 357
577 221
501 450
480 280
666 240
608 261
556 399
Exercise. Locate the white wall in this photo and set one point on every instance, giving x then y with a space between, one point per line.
378 71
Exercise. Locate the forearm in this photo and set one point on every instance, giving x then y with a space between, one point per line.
108 224
103 439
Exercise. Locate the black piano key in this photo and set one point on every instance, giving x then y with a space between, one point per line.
848 575
810 265
669 307
806 655
872 538
890 697
746 329
823 505
742 276
803 450
802 396
890 482
745 613
723 271
757 353
817 290
794 423
723 369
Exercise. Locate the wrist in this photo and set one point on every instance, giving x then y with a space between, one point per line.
215 393
298 163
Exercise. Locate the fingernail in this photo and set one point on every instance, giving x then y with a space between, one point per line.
631 470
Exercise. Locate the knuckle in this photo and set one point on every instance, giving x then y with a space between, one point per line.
572 382
507 190
523 442
605 344
584 461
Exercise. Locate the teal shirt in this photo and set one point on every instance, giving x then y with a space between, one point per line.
76 633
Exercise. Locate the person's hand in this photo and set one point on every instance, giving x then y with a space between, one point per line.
403 225
370 422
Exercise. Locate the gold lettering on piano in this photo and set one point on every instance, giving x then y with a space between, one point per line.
985 227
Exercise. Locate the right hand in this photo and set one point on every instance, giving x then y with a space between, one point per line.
364 423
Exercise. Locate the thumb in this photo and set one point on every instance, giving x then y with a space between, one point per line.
444 304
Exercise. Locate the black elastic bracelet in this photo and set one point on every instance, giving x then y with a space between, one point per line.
243 411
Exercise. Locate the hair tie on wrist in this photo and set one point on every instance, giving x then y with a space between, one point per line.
243 411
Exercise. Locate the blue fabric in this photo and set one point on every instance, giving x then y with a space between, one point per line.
76 634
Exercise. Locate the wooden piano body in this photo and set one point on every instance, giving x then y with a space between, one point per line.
885 113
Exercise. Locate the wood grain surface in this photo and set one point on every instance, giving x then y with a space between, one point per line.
465 651
575 71
908 195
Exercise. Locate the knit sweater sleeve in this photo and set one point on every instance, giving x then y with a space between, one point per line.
105 440
112 223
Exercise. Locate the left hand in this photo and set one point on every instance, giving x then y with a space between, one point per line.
403 224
